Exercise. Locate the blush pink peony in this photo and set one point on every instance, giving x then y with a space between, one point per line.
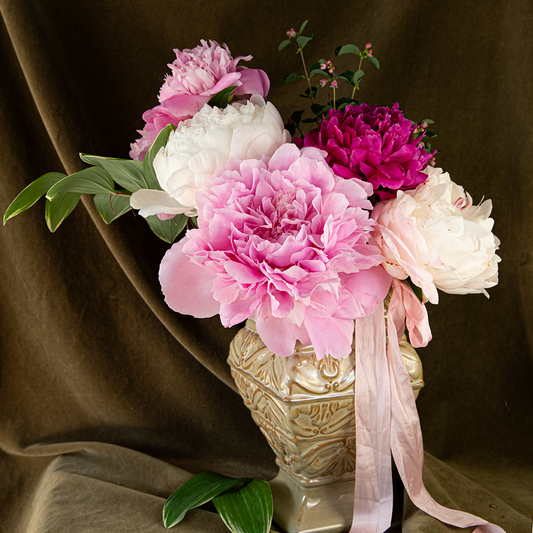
438 238
284 241
197 75
375 144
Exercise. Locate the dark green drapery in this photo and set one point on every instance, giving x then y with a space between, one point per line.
109 400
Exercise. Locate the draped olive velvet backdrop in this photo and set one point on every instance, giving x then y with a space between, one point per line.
108 400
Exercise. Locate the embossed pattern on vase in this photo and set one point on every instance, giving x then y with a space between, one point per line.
304 407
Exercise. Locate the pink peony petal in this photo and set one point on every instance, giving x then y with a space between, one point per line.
330 336
280 335
368 287
254 81
185 105
233 78
197 74
187 286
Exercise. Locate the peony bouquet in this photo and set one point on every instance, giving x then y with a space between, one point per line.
303 232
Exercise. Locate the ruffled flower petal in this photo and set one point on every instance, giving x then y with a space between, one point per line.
435 236
285 241
188 287
375 144
197 75
203 144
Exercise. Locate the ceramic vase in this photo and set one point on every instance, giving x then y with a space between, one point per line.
305 409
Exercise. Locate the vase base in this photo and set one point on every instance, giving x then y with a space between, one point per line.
308 508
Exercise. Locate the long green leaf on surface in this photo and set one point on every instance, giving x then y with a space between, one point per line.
35 190
148 165
248 508
59 209
167 230
195 492
126 172
111 206
92 180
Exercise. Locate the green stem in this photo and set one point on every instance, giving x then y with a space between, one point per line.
306 75
358 68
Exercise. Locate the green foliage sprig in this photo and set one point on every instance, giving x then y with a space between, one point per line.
111 181
326 69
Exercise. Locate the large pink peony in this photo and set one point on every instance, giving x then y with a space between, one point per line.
284 241
197 75
375 144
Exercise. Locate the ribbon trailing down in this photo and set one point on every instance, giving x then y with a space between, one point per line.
386 419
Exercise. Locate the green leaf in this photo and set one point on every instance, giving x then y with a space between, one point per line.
430 134
315 69
319 109
302 27
291 128
310 120
60 208
293 76
167 230
222 98
148 164
347 76
428 121
347 49
296 117
341 103
195 492
417 290
126 172
302 41
32 193
111 206
309 93
92 180
284 43
248 508
357 76
374 61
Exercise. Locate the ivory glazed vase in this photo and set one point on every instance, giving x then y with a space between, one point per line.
305 409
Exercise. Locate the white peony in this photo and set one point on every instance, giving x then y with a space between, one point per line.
458 235
437 237
204 143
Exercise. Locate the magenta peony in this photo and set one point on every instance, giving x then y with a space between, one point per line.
374 144
284 241
197 75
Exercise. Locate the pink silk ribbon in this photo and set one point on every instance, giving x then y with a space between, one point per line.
387 420
373 467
